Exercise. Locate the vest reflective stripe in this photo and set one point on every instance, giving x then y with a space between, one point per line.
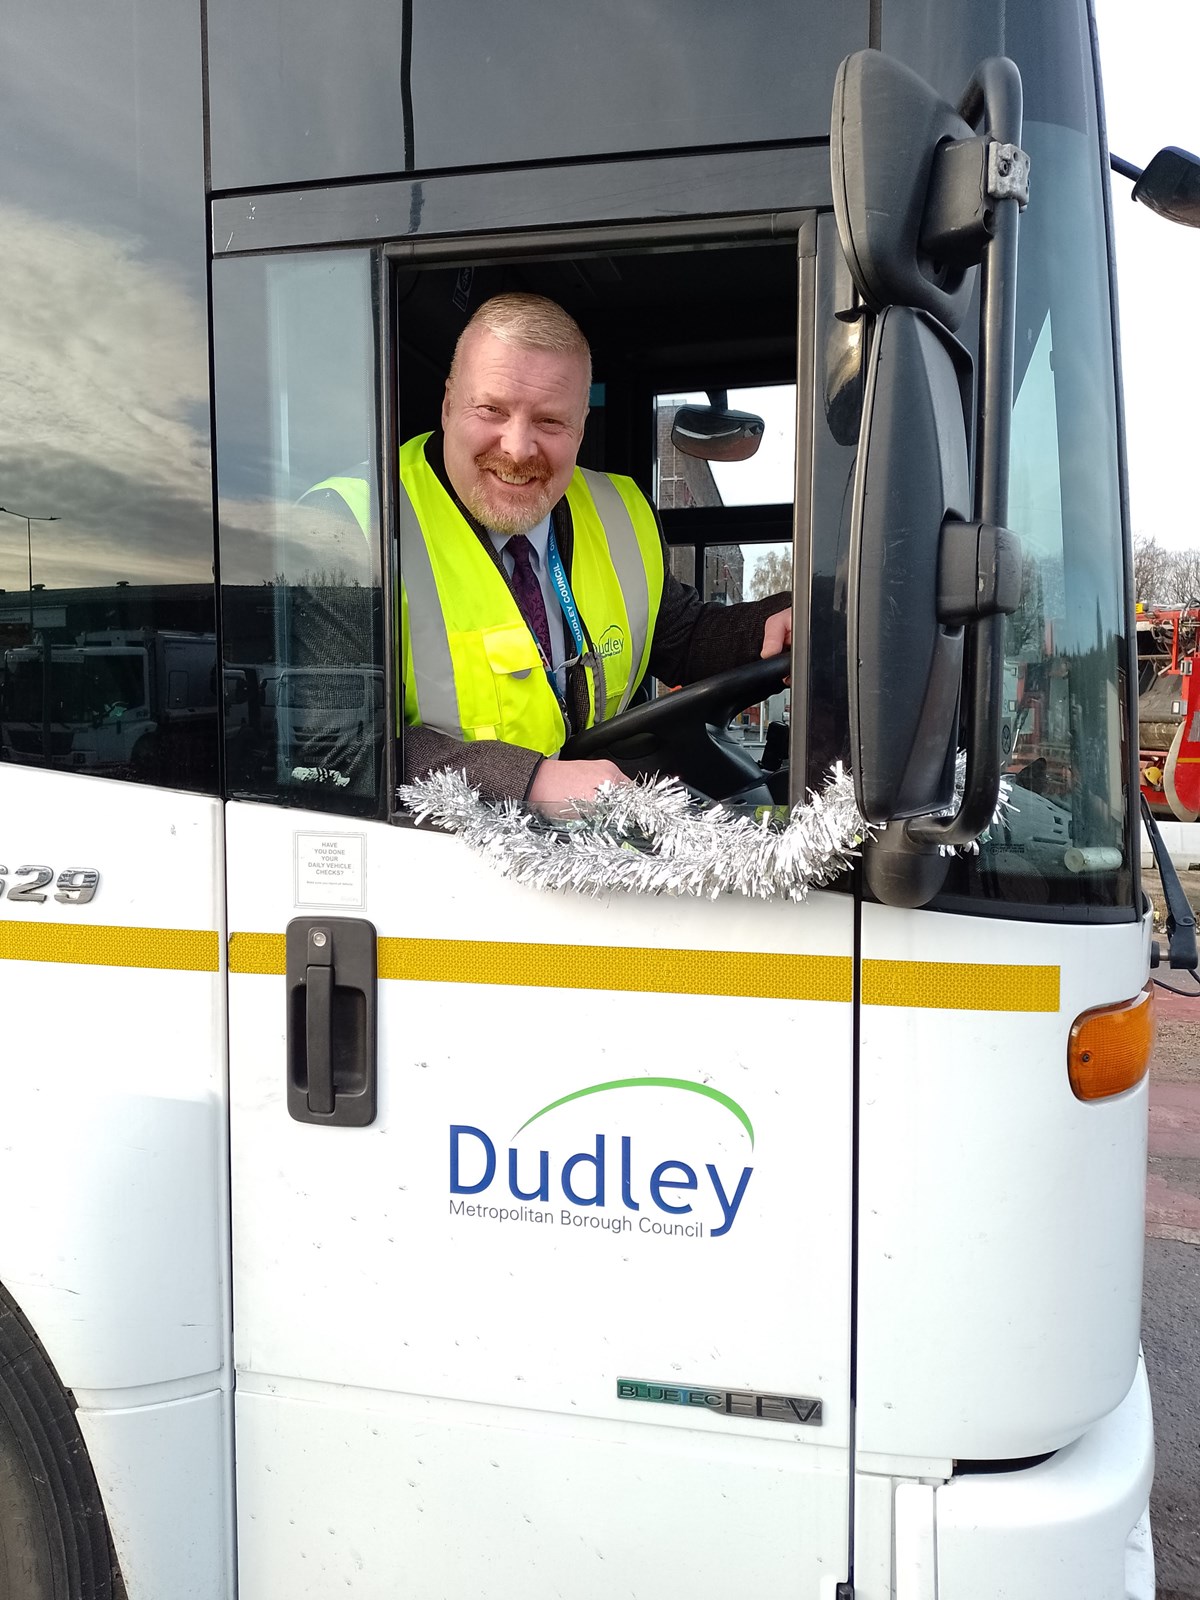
456 597
631 564
428 664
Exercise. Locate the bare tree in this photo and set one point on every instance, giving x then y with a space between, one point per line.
1185 577
772 572
1151 570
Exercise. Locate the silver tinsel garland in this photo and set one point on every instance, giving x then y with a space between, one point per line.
653 837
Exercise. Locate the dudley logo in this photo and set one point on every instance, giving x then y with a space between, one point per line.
612 642
614 1174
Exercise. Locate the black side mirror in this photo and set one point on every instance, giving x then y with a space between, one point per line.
924 194
923 574
913 477
1170 185
712 433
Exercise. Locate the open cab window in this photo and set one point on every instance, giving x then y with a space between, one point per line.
297 401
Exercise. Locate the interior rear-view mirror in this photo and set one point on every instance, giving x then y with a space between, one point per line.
713 433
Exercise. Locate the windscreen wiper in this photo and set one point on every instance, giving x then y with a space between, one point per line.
1181 919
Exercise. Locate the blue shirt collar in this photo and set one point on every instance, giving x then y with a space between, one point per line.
538 537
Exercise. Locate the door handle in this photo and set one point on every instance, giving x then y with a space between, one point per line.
332 972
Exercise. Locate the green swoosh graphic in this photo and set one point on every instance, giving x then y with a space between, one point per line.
649 1083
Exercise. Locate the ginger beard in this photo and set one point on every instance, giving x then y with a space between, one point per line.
509 496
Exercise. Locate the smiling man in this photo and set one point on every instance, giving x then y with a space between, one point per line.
536 595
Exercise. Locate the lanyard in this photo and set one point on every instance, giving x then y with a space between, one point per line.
562 588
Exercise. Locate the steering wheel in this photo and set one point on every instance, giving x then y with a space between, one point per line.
685 734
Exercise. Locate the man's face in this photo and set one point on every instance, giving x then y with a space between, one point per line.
513 421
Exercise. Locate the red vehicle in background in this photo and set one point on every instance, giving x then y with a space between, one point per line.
1169 709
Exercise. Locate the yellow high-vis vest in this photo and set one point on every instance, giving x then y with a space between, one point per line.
472 668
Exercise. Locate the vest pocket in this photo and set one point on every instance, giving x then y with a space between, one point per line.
475 685
510 648
529 711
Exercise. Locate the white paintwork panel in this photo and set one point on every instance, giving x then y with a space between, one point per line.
465 1502
1060 1528
113 1177
358 1267
170 1518
995 1209
1073 1526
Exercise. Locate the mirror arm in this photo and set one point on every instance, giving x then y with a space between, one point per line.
1123 168
996 90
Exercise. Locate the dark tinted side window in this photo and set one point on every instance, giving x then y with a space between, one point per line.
107 618
301 598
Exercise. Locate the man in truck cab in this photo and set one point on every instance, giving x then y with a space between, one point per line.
535 593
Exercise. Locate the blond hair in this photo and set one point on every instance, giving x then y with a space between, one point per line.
531 322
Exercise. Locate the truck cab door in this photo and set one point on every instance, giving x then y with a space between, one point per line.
541 1202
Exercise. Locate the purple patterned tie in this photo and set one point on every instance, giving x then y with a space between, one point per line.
529 593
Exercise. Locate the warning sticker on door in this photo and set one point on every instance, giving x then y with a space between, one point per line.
331 870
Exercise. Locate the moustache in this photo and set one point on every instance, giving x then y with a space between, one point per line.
536 469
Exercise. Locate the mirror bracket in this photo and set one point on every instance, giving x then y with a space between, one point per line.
957 221
967 178
979 572
1008 173
901 871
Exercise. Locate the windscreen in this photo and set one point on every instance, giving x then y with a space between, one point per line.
1062 837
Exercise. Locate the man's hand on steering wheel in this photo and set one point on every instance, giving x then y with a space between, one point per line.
777 635
556 783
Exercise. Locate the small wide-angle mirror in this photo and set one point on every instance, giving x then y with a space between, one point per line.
713 433
1170 185
885 131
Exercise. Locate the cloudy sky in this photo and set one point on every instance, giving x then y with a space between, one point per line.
1150 55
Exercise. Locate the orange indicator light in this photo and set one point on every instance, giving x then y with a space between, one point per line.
1109 1049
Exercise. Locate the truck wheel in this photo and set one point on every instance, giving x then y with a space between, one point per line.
53 1534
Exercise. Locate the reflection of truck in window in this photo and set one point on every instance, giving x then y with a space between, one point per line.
110 700
327 717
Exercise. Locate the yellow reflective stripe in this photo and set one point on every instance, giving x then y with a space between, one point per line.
623 967
581 966
89 945
921 985
263 953
960 986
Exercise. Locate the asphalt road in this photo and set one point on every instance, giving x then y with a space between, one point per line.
1171 1337
1171 1300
